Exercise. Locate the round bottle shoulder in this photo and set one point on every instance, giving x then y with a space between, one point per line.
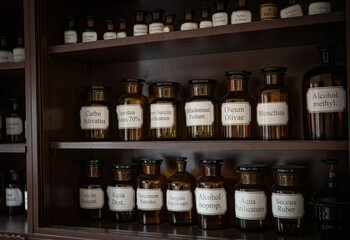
202 99
165 100
267 89
332 69
237 97
250 187
183 177
132 98
211 182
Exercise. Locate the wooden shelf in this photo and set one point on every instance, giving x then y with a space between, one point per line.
13 148
257 35
11 66
13 224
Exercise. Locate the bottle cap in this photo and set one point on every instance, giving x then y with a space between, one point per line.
166 84
133 80
237 73
211 162
89 88
202 81
288 169
94 161
181 159
150 160
251 167
124 166
274 70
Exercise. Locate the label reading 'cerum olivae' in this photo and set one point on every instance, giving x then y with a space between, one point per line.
288 206
326 99
250 205
272 114
149 199
179 201
237 113
200 113
162 115
121 199
130 116
94 117
211 201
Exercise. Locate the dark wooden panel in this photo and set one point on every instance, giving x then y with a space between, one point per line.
13 224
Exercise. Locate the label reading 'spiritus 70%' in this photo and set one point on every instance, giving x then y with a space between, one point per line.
130 116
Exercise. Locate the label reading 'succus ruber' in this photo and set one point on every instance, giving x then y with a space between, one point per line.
287 206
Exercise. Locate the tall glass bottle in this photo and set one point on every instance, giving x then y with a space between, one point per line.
70 33
122 32
189 23
211 196
273 109
202 109
110 30
324 98
205 21
132 111
150 194
140 27
14 123
90 34
268 10
293 9
5 53
242 14
169 22
236 105
220 17
15 192
18 50
319 7
180 195
156 25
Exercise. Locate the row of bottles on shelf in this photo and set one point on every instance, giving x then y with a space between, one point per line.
324 101
268 11
15 54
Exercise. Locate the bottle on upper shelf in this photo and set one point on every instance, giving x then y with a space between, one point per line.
70 32
89 34
14 122
169 22
15 192
293 9
268 10
140 26
110 31
205 20
18 49
156 25
220 17
5 53
242 14
122 32
319 7
189 23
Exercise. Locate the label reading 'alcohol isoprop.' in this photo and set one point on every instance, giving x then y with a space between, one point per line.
130 116
236 113
250 205
91 198
149 199
179 201
272 114
211 201
162 115
94 117
326 99
121 199
14 197
288 206
199 113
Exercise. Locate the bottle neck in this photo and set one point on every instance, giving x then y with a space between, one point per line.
328 57
220 7
156 17
151 169
15 177
139 18
181 166
133 88
211 170
169 20
205 15
273 79
242 3
252 178
202 90
288 179
122 26
123 174
165 92
93 171
90 23
236 85
98 96
110 27
189 17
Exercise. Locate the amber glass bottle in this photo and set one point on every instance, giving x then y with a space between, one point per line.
110 30
273 105
211 196
293 9
205 20
189 23
268 10
288 200
242 14
122 32
250 198
91 193
236 105
140 27
180 196
132 111
70 33
324 98
5 53
14 123
220 17
90 34
150 195
169 22
156 25
18 50
15 192
201 110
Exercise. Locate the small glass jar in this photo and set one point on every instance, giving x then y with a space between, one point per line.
132 111
189 23
18 51
236 105
110 30
156 25
220 17
319 7
273 110
293 9
14 123
90 34
288 202
70 33
169 22
150 195
5 53
15 192
95 114
122 32
268 10
121 192
91 190
201 109
211 196
165 118
180 195
205 21
242 14
250 198
140 27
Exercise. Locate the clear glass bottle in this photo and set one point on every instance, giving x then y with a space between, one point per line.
91 190
250 198
205 20
122 32
211 196
140 27
319 7
180 195
202 110
236 105
287 198
15 193
121 192
14 122
95 113
18 52
89 34
5 53
169 22
110 31
189 23
150 195
324 98
293 9
70 33
242 14
165 120
220 17
268 10
156 25
273 109
132 111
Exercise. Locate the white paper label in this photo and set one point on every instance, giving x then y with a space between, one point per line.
326 99
211 201
241 16
250 205
121 35
14 126
166 29
162 115
288 206
5 56
140 29
70 37
272 114
179 201
205 24
189 26
235 113
199 113
94 117
91 198
18 54
319 8
149 199
89 36
14 197
156 28
121 199
220 19
26 200
292 11
130 116
109 35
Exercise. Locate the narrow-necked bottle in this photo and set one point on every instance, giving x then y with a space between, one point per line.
140 26
220 17
89 34
205 20
110 30
169 22
122 32
156 25
189 23
14 122
18 50
319 7
242 14
293 9
15 192
268 10
5 53
70 33
180 195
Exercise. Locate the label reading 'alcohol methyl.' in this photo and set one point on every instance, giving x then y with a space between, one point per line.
235 113
272 114
91 198
130 116
121 199
179 200
211 201
199 113
326 99
288 206
149 199
94 117
250 205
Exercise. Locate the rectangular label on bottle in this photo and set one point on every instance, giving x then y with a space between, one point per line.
70 36
319 8
287 206
179 200
220 19
5 56
14 197
241 16
121 199
156 28
292 11
89 36
109 35
205 24
149 199
211 201
130 116
268 11
189 26
250 205
235 113
26 200
140 29
14 126
91 198
18 54
162 115
326 99
272 114
121 35
200 113
94 117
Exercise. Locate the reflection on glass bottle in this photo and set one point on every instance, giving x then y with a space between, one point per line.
189 23
242 14
169 22
110 31
205 21
70 33
90 34
15 192
14 123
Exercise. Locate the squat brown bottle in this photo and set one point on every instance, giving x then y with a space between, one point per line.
14 123
15 193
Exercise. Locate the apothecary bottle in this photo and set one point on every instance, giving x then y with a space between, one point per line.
156 25
122 191
91 190
14 122
211 196
189 23
273 109
250 198
70 33
15 192
89 34
205 20
319 7
169 22
236 107
268 10
150 194
5 53
122 32
324 98
242 14
180 195
140 26
288 204
18 52
2 192
293 9
220 17
110 30
132 111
